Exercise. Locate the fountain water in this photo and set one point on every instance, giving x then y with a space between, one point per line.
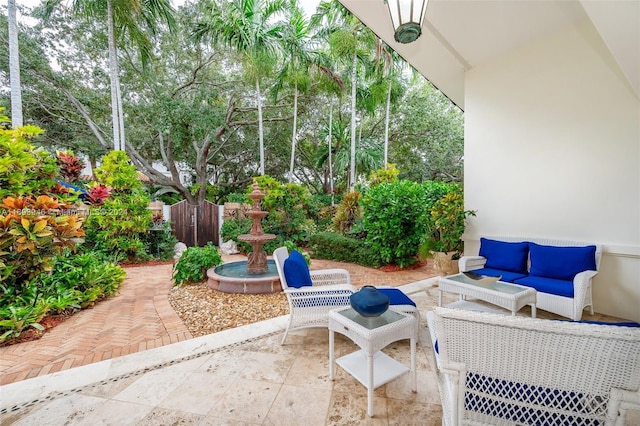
256 274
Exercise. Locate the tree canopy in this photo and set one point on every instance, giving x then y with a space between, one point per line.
215 90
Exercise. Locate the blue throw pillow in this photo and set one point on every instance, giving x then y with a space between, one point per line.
505 255
296 271
561 263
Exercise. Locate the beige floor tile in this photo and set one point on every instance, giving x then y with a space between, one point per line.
299 405
163 417
154 386
198 393
246 401
76 409
311 372
417 414
350 409
260 366
120 413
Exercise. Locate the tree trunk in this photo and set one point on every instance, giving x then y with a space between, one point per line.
14 67
260 130
386 128
352 174
293 137
113 75
330 153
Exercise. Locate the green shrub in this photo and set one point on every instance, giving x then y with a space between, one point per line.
160 242
24 169
333 246
348 212
15 319
447 222
395 219
193 264
118 227
79 280
234 226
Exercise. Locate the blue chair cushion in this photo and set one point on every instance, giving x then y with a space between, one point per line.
618 324
296 271
396 297
548 285
505 255
561 263
507 276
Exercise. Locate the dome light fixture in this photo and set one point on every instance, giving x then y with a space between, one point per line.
407 17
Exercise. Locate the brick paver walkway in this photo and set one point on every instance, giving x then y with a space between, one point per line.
138 318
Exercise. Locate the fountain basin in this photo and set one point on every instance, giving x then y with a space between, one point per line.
232 277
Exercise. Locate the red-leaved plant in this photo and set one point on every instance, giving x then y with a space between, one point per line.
97 194
70 165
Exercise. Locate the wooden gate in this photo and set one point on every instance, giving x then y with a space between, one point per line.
195 225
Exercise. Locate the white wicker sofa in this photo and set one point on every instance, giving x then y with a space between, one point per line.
557 269
495 369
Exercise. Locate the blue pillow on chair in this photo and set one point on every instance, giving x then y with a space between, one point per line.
505 255
296 271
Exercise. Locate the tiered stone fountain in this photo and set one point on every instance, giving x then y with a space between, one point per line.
256 274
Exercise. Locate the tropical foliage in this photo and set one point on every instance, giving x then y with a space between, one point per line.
40 272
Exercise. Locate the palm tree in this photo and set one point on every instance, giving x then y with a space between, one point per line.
351 42
14 66
296 66
133 20
248 27
390 66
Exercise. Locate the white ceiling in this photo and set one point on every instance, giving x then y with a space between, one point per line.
461 34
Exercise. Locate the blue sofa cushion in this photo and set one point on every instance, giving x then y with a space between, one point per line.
296 271
561 263
504 255
507 276
396 297
548 285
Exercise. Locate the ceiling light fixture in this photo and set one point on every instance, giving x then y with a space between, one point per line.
407 17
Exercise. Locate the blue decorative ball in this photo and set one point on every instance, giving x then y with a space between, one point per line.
369 302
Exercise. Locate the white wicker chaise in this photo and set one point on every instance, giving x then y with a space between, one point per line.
499 370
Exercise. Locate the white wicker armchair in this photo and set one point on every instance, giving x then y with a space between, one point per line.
569 307
309 306
498 370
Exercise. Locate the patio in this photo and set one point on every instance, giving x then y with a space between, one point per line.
238 376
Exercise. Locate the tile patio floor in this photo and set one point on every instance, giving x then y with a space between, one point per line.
130 361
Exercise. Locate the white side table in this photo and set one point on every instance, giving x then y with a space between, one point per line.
369 366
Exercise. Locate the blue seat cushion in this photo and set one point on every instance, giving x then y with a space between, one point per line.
561 263
396 297
618 324
507 276
505 255
296 271
548 285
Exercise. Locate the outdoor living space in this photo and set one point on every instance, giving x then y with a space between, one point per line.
237 376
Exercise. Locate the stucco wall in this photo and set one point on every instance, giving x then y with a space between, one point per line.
552 149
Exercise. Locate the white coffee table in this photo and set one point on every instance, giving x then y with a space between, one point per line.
368 365
506 295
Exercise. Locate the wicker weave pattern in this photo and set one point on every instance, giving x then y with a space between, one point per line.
310 306
495 369
565 306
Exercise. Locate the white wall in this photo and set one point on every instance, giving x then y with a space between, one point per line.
552 149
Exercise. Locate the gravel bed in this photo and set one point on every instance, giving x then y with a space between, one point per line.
204 311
